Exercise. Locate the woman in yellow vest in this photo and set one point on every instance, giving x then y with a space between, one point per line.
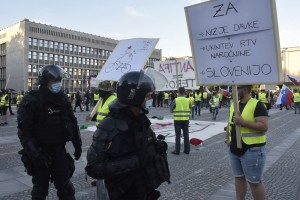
181 108
248 162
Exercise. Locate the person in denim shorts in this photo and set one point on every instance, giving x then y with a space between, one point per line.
248 161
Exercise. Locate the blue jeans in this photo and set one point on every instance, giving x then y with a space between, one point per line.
250 164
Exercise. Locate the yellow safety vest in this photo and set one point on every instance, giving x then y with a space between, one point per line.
103 110
182 109
249 136
19 98
3 101
96 97
263 97
220 96
198 97
166 95
214 101
296 97
192 102
204 95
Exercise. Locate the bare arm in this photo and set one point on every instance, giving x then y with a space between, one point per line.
260 124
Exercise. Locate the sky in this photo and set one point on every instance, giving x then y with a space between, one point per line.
125 19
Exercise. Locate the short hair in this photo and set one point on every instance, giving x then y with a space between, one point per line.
181 90
248 87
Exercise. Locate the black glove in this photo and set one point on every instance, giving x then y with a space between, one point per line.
161 147
42 162
77 152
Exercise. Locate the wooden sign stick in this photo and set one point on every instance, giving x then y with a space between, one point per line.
236 110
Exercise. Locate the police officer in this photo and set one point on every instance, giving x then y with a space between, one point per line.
125 151
45 123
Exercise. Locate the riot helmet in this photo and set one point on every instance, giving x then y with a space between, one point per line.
133 86
51 73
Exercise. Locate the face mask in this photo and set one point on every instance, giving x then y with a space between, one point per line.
55 87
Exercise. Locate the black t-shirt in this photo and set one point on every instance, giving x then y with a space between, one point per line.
259 111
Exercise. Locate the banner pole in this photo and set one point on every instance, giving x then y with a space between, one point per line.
236 110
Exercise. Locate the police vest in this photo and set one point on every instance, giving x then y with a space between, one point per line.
3 101
263 97
249 136
198 97
296 97
96 97
182 109
103 110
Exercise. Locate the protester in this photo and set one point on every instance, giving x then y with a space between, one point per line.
4 103
45 123
125 151
198 102
248 162
214 104
181 108
78 101
296 99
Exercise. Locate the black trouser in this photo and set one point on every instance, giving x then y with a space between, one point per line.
184 126
59 173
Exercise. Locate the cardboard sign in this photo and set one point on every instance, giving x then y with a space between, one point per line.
186 73
234 42
129 55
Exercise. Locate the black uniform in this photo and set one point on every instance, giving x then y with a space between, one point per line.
127 155
45 122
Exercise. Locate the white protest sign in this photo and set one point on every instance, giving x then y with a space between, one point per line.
234 42
186 74
129 55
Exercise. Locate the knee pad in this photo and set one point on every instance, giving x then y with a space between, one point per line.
67 191
39 192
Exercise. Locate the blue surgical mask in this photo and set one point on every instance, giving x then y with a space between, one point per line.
55 87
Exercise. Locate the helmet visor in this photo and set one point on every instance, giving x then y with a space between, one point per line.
159 80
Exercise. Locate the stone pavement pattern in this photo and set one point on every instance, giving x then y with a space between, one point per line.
203 174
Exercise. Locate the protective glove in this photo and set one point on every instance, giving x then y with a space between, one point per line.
42 162
161 147
77 153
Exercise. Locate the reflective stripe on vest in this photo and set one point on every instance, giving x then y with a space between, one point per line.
249 136
182 109
198 97
296 97
103 110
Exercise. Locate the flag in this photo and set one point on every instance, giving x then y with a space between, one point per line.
294 80
226 92
285 96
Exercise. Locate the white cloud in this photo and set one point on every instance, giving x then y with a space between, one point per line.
131 11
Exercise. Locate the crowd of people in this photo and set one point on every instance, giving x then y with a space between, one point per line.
126 156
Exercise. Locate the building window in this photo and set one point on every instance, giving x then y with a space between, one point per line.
92 51
79 60
29 41
40 56
51 57
34 55
87 50
29 55
88 61
71 71
34 69
61 58
75 72
51 45
66 47
75 48
70 59
83 61
70 47
29 68
41 43
66 59
34 42
83 49
79 49
56 58
79 72
46 43
75 60
56 45
45 56
61 46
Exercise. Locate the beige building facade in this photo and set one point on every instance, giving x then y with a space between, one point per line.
27 46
